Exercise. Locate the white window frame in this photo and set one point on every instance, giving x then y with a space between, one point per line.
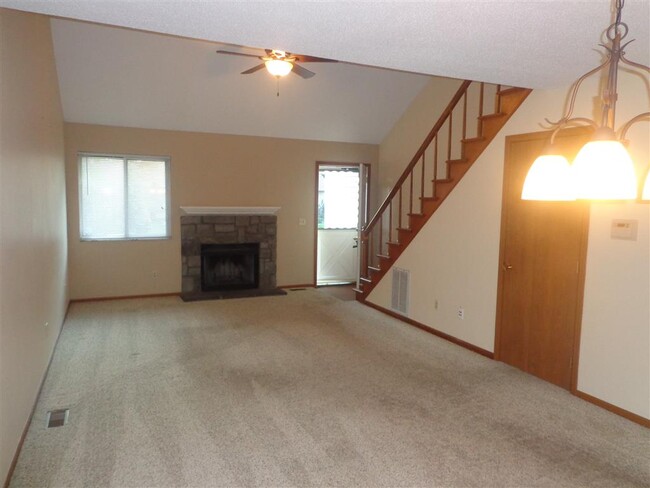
125 158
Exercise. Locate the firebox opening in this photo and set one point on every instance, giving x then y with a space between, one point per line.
230 266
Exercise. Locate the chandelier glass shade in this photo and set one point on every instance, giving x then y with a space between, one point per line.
549 178
645 194
603 168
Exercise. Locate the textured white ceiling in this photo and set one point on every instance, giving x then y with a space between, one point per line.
125 77
538 44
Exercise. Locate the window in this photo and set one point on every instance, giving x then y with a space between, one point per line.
123 197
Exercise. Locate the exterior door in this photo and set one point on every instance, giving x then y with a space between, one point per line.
341 209
541 280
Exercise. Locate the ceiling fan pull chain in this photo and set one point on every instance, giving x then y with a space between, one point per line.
278 86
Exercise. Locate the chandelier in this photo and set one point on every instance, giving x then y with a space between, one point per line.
603 169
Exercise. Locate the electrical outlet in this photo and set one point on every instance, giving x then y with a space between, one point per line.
461 313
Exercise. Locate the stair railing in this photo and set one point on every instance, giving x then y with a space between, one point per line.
430 161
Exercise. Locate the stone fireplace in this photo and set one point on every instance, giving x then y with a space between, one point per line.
228 251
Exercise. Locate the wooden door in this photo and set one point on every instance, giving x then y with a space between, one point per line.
541 280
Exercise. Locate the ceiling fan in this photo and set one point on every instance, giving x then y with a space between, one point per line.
281 63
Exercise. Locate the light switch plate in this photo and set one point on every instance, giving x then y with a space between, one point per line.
625 229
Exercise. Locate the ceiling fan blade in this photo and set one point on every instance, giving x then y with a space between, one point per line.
302 72
312 59
253 69
238 54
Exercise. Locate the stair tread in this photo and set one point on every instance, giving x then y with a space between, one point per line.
383 256
365 280
415 214
357 290
457 161
473 139
430 199
405 229
441 180
496 115
394 243
374 268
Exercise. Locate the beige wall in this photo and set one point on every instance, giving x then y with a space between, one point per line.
33 249
206 170
406 136
455 259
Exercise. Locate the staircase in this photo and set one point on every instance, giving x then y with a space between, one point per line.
440 163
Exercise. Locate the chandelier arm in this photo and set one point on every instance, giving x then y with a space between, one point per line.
632 63
580 121
574 92
630 123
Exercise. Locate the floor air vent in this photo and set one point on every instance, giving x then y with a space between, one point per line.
400 292
57 418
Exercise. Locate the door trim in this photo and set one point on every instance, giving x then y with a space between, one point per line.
577 322
317 169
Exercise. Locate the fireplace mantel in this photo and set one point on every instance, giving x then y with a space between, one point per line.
230 210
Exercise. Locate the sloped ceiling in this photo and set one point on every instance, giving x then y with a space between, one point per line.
538 44
122 77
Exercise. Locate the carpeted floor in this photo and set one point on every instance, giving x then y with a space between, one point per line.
305 390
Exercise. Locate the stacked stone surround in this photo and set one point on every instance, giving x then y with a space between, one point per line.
227 229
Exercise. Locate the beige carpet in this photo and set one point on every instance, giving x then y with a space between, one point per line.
305 390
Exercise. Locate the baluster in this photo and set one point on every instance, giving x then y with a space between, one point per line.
364 255
422 178
479 129
381 235
451 115
411 193
465 115
497 101
399 219
369 256
435 166
390 221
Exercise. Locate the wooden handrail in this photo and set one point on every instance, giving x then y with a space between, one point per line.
438 125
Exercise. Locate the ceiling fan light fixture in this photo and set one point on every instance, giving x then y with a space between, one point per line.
278 67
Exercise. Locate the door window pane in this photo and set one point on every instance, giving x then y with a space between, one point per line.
338 194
